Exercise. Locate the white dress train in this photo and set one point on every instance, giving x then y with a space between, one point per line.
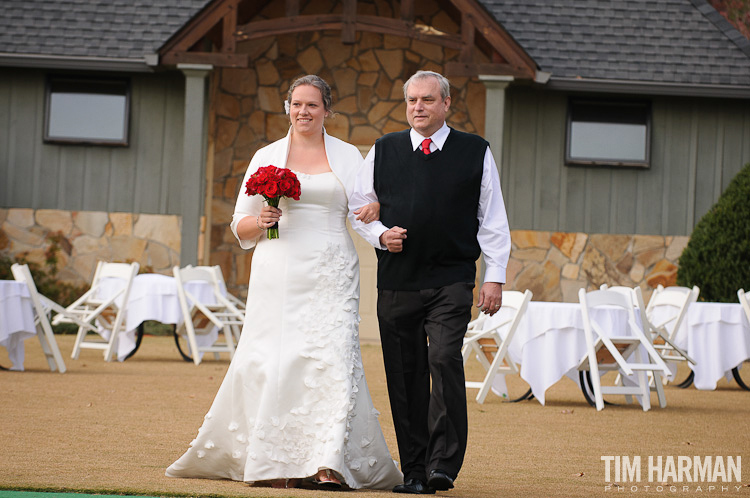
295 399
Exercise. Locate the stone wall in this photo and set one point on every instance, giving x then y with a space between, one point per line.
367 79
554 265
85 237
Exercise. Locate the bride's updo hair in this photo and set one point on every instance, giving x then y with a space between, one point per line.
317 82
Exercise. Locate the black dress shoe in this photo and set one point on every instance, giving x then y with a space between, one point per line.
414 487
439 480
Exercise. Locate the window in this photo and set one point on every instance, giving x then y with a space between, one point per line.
608 133
93 111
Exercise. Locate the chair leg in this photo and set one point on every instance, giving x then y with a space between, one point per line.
49 346
596 383
118 326
79 340
237 332
190 330
643 383
645 389
45 348
491 372
465 352
659 387
228 337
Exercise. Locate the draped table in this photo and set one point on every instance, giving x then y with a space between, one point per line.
550 340
717 337
154 297
16 320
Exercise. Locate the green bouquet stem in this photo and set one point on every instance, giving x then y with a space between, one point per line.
273 232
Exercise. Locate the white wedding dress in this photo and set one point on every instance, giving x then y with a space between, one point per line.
295 399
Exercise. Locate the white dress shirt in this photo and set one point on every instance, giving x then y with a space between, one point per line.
493 234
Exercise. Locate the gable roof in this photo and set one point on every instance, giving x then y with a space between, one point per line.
651 46
122 34
663 46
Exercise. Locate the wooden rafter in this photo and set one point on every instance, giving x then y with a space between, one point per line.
218 25
407 10
523 65
348 22
467 36
218 18
398 27
291 8
472 69
218 59
199 25
229 26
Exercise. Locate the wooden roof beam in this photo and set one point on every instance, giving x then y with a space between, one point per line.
217 59
397 27
497 37
407 10
199 25
470 69
229 26
291 8
349 20
467 36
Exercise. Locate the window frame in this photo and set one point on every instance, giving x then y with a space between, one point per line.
622 103
91 82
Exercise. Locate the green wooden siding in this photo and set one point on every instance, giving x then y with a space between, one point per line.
144 177
697 146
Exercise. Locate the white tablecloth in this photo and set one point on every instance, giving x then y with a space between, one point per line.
154 297
718 339
715 335
16 320
550 341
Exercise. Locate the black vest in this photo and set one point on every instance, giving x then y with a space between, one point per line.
435 198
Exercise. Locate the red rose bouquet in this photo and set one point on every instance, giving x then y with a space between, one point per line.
273 183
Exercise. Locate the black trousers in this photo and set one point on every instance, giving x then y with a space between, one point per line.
431 425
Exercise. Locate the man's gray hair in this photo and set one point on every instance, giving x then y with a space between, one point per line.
445 85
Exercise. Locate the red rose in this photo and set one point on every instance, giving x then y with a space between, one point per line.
272 189
261 177
285 186
250 187
272 182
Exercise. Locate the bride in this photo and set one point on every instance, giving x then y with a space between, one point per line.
294 404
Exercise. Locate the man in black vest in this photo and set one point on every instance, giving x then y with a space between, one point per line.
440 207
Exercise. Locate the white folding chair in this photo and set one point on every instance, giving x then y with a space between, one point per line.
663 329
484 340
237 302
652 332
43 307
203 316
102 308
745 302
612 352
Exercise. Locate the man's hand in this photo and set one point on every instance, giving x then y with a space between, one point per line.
393 239
490 297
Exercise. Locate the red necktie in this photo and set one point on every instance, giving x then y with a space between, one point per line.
426 146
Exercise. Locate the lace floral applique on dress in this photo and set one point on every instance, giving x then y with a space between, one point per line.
329 323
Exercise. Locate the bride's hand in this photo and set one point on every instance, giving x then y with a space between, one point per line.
368 213
268 216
